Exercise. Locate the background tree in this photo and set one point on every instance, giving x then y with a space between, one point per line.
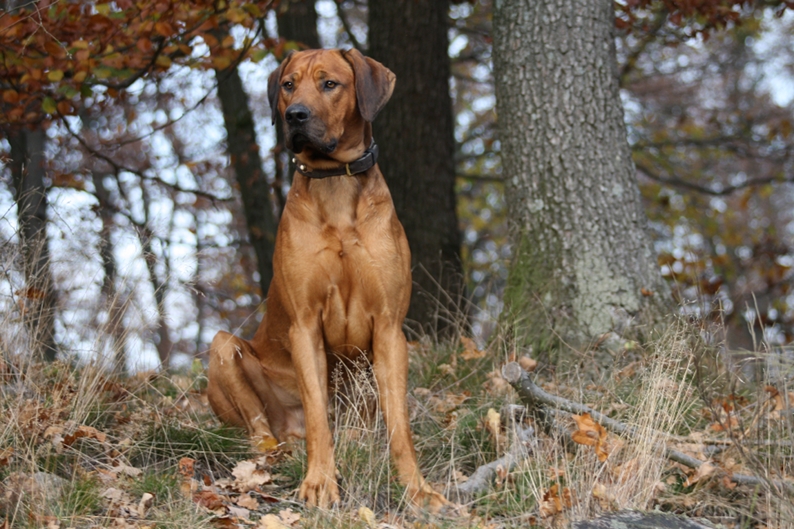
711 137
142 196
28 171
583 264
416 130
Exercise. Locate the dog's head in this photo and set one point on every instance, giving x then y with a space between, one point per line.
326 98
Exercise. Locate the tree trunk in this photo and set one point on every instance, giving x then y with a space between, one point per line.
38 297
113 302
244 153
297 22
164 343
417 147
583 262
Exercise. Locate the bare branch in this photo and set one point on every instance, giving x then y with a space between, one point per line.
535 398
118 167
348 29
678 182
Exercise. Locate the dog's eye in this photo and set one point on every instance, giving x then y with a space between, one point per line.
288 85
330 84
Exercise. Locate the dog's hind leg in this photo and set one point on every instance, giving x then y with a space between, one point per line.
238 389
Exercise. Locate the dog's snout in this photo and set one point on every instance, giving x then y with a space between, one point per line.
297 114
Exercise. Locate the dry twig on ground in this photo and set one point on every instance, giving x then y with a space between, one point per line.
536 398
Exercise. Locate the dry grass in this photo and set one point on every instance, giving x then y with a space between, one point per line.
70 432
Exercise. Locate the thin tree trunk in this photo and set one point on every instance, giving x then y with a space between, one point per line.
244 153
297 22
39 299
416 137
164 343
583 264
114 305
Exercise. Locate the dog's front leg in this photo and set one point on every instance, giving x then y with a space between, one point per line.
390 363
311 367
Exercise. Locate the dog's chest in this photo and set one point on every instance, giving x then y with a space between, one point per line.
351 284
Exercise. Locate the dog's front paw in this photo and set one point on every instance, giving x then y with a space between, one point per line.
319 490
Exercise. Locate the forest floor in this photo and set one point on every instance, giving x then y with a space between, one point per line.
82 448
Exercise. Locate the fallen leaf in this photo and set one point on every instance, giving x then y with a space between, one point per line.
367 516
84 431
446 369
470 350
553 503
248 477
266 443
554 472
186 466
271 521
188 485
239 512
527 364
731 422
146 502
249 502
5 455
496 385
113 494
592 434
605 497
703 471
502 473
493 423
208 499
127 470
288 516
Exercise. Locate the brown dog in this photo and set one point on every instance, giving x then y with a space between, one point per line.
342 277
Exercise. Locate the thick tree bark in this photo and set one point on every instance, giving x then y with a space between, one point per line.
583 261
38 298
244 153
416 137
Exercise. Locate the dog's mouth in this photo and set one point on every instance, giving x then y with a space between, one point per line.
299 141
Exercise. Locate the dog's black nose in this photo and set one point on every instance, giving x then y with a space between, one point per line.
297 114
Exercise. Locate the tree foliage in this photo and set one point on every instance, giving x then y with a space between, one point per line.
54 55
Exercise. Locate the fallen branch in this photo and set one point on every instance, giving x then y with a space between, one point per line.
482 478
535 398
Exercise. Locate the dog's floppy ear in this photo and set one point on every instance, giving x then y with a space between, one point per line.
374 83
274 87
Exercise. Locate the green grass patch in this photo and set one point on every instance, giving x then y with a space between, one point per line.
166 443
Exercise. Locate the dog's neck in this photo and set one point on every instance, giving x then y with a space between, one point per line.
349 151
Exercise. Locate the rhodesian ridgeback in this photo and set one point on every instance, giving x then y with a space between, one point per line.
341 283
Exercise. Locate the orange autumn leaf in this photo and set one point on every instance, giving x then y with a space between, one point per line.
553 502
591 433
186 467
84 431
208 499
470 350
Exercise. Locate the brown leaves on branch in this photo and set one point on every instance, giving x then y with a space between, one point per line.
53 57
699 16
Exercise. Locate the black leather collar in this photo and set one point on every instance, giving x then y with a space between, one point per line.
367 160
